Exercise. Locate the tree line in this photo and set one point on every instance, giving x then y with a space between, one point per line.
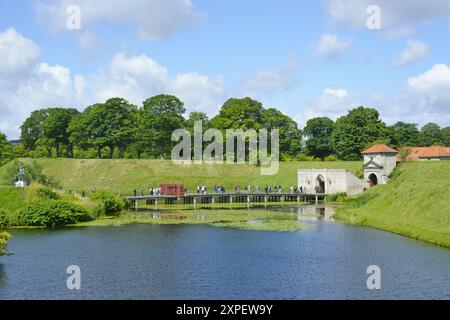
119 129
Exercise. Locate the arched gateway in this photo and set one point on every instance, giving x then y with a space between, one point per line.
373 180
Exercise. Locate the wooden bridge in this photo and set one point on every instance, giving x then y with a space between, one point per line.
244 197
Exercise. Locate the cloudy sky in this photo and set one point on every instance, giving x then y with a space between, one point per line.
307 58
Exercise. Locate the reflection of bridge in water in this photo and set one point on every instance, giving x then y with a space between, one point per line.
246 197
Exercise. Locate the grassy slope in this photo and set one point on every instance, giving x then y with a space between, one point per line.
12 199
130 174
416 203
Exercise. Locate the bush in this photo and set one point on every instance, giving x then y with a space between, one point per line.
52 213
336 197
4 237
47 193
331 157
304 157
4 220
111 204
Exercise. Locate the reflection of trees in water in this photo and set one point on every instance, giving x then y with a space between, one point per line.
320 211
2 275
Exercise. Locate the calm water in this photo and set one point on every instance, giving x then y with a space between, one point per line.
204 262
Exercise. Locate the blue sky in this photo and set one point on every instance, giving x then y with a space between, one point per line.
307 58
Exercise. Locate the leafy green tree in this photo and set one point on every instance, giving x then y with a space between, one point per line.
197 116
445 133
355 131
31 129
48 128
165 114
319 131
3 146
290 134
54 129
239 114
430 134
121 124
403 134
143 142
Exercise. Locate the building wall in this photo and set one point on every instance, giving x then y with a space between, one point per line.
386 160
336 180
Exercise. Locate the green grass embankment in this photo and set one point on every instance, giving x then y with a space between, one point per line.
126 175
415 203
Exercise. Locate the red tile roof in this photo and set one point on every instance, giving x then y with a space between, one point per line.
431 152
379 148
435 152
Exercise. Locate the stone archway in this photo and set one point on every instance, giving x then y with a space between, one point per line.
320 184
373 180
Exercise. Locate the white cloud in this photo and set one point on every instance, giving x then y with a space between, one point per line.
331 47
334 103
17 53
155 19
339 93
139 77
398 18
414 51
46 86
268 81
26 85
425 98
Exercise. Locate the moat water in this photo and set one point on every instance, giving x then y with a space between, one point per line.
328 261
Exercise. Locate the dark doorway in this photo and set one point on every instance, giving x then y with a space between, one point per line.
373 180
320 186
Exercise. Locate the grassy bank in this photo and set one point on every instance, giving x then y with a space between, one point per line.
125 175
415 203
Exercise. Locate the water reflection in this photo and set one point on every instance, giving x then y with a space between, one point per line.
153 261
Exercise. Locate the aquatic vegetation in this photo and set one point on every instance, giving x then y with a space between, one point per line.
248 219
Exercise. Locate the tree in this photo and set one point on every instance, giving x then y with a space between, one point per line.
110 124
121 124
165 114
47 128
197 116
54 129
143 141
319 131
403 134
239 114
31 129
3 146
445 133
355 131
430 134
290 134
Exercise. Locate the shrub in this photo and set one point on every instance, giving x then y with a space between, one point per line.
52 213
4 220
335 197
331 157
47 193
4 237
304 157
111 204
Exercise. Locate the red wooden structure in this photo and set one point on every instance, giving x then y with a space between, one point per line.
172 190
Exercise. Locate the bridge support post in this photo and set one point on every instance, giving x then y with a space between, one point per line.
317 199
